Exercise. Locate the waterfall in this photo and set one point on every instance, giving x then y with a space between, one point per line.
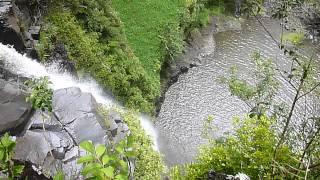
21 65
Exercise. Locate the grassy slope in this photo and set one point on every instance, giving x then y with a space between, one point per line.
95 41
143 21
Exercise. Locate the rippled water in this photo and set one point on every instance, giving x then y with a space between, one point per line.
198 94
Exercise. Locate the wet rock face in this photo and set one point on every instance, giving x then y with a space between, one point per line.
9 28
60 57
14 111
19 25
74 119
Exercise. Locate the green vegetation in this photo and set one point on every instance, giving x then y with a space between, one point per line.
144 20
7 166
111 162
102 163
157 30
41 94
257 96
294 38
249 150
148 162
94 39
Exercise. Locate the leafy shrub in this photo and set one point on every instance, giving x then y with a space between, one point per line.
41 94
240 87
249 150
7 165
149 165
172 41
102 163
148 162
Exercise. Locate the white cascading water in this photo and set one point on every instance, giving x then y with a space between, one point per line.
24 66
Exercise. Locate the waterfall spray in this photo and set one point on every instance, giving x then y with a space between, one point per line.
21 65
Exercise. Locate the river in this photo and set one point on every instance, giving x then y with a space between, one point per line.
199 93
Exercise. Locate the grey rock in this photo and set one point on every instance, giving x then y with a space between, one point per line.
114 116
74 119
70 104
87 127
14 110
40 119
33 147
122 132
9 28
74 152
35 32
77 111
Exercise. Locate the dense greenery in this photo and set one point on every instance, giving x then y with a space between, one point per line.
144 20
157 30
7 165
249 150
94 39
264 145
148 162
103 163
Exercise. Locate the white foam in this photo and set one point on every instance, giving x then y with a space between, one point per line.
21 65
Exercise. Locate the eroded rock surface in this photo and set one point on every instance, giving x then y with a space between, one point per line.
74 119
14 111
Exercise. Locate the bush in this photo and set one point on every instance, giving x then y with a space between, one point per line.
148 162
249 150
102 163
7 166
172 41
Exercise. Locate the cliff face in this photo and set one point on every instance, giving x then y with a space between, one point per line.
20 25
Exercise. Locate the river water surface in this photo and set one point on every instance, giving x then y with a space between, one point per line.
199 93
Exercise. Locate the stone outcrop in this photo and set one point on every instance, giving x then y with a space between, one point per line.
14 111
19 25
74 119
9 28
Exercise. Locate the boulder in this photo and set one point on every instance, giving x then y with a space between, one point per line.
77 111
74 119
15 112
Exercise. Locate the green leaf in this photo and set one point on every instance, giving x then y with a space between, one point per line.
100 150
88 146
18 169
121 177
85 159
108 171
130 141
123 164
105 159
6 141
59 176
90 168
130 154
119 149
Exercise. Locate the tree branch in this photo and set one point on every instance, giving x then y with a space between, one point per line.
310 91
